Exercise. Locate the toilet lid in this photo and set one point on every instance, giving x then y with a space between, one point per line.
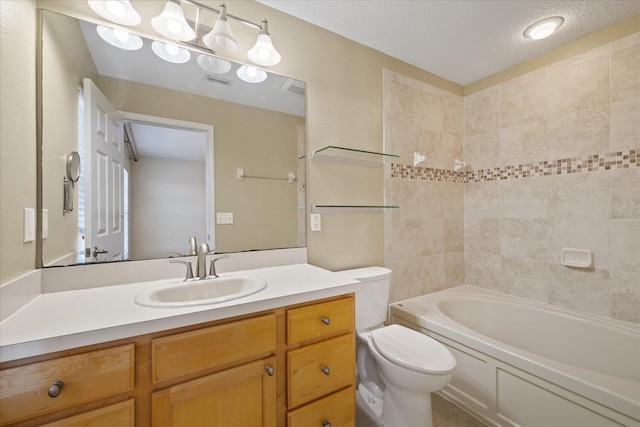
413 350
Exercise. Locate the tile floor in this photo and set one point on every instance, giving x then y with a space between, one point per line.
445 414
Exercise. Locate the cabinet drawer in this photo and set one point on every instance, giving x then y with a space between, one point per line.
118 415
318 320
86 377
190 352
337 409
319 369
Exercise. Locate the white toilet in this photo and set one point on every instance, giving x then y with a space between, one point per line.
398 367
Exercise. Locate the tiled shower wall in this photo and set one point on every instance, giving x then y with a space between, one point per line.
555 156
424 239
553 161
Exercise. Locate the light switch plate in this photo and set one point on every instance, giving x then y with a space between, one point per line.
316 222
224 218
29 222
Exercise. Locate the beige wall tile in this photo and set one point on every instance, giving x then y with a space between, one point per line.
625 67
581 195
430 198
453 116
587 234
431 144
453 204
625 244
524 99
432 273
454 269
482 151
579 82
403 140
625 193
625 295
401 192
405 279
482 235
482 199
524 238
625 124
526 198
482 111
483 270
579 289
454 234
431 113
525 278
524 143
432 236
578 133
402 239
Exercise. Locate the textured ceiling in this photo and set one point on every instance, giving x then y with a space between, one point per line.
461 41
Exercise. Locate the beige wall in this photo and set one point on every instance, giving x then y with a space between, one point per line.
18 25
266 148
65 70
584 106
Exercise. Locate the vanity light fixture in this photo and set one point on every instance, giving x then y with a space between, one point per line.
119 38
220 37
170 52
251 74
543 28
263 52
213 64
172 24
118 11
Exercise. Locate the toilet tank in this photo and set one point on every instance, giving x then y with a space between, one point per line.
372 300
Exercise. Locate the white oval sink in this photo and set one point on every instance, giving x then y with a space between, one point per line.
201 292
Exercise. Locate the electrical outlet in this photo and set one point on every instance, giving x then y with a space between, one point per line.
316 222
29 233
224 218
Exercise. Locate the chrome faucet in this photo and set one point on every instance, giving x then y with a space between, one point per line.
201 266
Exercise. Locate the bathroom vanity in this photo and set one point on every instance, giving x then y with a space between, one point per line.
285 357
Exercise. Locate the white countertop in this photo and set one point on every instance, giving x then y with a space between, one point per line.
63 320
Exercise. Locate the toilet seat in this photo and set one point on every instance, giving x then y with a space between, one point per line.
413 350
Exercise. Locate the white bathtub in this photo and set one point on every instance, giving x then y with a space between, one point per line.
526 363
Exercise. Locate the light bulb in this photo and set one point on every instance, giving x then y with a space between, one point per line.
120 35
171 49
252 71
174 26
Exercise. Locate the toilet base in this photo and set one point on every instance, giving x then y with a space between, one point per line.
372 397
398 409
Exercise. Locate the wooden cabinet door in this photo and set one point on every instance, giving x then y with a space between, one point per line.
244 396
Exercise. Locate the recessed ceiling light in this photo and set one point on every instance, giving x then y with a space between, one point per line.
544 28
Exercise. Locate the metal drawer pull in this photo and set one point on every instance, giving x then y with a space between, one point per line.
325 320
326 423
55 389
326 370
269 369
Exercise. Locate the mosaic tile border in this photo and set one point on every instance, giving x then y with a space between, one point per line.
592 163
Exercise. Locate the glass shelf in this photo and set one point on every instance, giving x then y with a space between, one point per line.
350 208
350 156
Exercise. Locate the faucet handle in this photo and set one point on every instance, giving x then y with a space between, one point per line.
212 268
189 275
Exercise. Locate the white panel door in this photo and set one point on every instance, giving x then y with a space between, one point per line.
104 169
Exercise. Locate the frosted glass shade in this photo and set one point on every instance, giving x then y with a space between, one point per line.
221 38
263 52
172 24
251 74
170 52
118 11
213 65
119 38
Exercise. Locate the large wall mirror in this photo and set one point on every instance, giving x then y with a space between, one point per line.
169 150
